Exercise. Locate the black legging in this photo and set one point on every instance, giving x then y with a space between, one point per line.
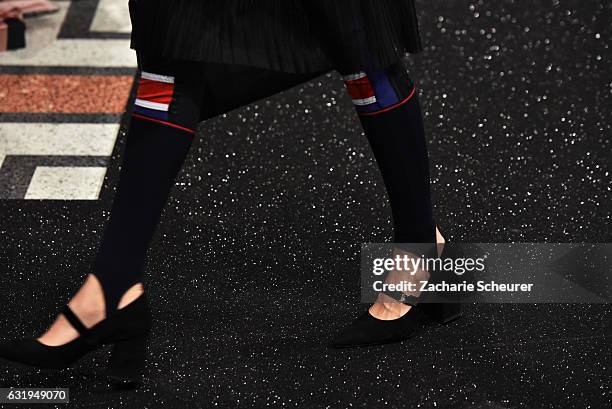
174 96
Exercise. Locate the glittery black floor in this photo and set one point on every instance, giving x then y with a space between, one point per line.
248 270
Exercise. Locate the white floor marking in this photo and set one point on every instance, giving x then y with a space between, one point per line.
57 139
112 16
66 183
78 53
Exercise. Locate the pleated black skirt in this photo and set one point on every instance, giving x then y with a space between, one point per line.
283 35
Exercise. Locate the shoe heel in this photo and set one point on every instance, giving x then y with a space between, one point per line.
127 362
443 313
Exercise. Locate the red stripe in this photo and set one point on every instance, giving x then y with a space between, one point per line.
63 93
146 118
155 91
408 98
360 88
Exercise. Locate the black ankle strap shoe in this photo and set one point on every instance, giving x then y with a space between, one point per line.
367 330
126 329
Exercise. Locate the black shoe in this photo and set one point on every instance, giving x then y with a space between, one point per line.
369 331
126 329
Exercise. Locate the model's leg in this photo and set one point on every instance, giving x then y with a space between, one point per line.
387 104
164 117
388 107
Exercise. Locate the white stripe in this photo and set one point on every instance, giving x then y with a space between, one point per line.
356 76
18 138
78 53
66 183
365 101
157 77
112 16
151 105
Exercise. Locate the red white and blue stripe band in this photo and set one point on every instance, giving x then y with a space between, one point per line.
374 92
154 97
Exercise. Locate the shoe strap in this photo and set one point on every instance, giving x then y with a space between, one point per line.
402 297
74 320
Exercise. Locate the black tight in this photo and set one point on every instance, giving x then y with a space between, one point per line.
153 156
174 96
388 106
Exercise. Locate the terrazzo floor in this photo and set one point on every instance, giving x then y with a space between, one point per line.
249 269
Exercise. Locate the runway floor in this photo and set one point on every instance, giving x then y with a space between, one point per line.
256 262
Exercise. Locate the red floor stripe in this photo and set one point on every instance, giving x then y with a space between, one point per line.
107 94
